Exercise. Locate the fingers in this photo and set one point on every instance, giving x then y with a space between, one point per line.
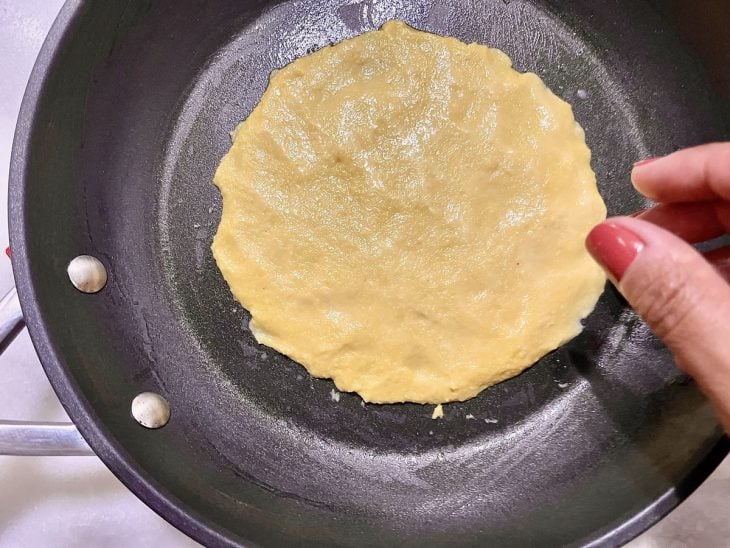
682 295
682 298
693 221
690 175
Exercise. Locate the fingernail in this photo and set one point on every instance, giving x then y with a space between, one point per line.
614 247
645 161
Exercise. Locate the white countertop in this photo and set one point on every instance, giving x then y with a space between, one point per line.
75 501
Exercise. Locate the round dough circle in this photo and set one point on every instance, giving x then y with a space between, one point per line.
405 214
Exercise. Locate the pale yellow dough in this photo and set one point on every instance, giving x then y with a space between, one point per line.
405 214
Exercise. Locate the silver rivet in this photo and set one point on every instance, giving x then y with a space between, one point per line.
87 274
150 410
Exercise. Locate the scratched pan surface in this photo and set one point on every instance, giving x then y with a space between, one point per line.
127 115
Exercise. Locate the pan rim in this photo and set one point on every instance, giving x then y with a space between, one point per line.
72 399
78 407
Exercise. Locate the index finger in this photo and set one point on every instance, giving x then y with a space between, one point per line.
690 175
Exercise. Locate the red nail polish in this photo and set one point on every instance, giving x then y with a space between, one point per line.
7 252
645 161
614 247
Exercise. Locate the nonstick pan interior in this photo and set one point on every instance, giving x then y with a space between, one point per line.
126 118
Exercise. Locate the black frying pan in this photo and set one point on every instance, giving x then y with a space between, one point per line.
125 119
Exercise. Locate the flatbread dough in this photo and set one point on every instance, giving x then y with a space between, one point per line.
405 214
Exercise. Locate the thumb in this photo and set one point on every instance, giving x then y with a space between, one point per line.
681 297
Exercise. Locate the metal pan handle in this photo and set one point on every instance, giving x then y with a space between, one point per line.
33 438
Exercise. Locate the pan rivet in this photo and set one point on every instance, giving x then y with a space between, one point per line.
87 274
150 410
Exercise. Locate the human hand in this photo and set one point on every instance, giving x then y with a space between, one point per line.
682 295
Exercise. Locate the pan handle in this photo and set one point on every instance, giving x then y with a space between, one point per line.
43 439
11 319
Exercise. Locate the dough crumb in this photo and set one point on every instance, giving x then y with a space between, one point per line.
334 395
562 385
491 421
438 412
469 416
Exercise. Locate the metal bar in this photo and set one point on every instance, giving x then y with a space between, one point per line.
41 439
11 318
33 438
